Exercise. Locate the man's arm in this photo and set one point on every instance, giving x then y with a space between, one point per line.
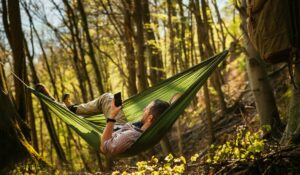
108 130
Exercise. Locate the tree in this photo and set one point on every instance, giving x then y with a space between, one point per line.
260 85
292 130
85 26
140 42
157 72
201 38
14 33
14 133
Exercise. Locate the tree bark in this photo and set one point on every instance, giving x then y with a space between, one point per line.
15 34
79 65
201 38
31 115
209 52
292 131
85 26
14 146
157 72
260 86
220 22
140 42
171 37
182 34
52 79
129 49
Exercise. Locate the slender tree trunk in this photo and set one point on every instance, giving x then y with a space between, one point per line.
260 86
155 56
220 22
85 26
140 42
292 130
13 134
171 37
183 22
47 117
14 35
128 42
77 64
52 79
201 37
55 140
78 147
191 39
210 51
30 108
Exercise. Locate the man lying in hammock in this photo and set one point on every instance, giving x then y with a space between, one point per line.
115 142
122 139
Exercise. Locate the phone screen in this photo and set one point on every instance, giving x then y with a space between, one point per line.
118 99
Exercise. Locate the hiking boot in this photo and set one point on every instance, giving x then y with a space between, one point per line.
66 99
69 104
42 89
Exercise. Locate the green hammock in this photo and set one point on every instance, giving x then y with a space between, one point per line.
187 83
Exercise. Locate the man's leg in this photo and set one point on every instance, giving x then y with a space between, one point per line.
99 105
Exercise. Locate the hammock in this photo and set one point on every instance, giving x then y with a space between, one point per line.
187 83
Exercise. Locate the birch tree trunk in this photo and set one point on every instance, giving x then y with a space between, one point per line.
260 85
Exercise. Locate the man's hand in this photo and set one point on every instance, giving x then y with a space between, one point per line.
114 110
108 130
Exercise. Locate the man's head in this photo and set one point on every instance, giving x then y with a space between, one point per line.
153 111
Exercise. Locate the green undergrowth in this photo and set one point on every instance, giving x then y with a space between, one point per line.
243 146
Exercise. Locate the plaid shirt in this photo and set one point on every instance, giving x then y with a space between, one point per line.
122 139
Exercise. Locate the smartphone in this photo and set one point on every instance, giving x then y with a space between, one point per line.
118 99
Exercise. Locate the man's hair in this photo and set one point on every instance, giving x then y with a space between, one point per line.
158 108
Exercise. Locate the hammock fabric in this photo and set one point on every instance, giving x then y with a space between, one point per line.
187 83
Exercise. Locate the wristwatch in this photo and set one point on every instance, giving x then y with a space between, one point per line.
110 120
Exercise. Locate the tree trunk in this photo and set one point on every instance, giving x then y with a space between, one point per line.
171 37
77 64
142 69
14 146
15 35
128 43
182 34
196 8
157 72
85 26
210 128
220 22
292 130
31 115
260 86
52 79
191 40
210 51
